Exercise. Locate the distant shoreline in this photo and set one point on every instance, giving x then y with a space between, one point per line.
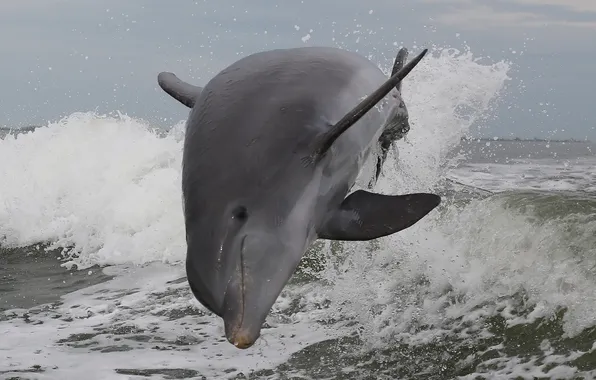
26 128
464 138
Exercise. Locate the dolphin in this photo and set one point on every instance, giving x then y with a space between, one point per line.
273 145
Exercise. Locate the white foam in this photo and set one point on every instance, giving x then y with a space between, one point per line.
454 271
139 299
106 186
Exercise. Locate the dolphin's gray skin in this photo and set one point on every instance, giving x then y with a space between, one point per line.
273 145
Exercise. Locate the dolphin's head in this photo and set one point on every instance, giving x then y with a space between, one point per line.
242 255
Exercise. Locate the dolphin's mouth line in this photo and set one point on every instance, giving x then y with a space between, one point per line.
242 287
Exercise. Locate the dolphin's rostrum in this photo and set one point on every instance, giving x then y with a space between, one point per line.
273 145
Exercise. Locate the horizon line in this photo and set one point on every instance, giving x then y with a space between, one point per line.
463 138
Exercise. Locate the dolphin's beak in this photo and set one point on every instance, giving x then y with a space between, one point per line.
262 271
242 323
242 327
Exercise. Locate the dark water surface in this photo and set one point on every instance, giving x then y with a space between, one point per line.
511 151
31 276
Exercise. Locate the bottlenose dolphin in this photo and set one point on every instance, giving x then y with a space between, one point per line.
273 145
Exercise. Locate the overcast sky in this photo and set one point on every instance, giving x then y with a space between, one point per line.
62 56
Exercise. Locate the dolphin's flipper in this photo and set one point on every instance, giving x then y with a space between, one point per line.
366 216
183 92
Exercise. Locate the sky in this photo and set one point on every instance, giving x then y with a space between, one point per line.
65 56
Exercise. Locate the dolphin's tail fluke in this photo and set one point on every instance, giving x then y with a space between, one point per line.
400 61
324 142
183 92
397 125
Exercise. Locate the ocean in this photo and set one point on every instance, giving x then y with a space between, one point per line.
497 283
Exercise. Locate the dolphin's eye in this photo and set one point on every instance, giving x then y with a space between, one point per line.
240 213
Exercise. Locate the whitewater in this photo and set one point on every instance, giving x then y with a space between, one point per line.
498 282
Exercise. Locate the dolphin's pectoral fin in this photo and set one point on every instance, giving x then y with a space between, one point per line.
366 216
183 92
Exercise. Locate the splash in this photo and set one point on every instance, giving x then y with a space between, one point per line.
104 188
446 95
460 271
107 189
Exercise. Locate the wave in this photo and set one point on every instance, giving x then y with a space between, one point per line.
107 188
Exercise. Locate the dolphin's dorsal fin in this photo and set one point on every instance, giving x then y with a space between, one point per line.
400 61
322 144
183 92
366 216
